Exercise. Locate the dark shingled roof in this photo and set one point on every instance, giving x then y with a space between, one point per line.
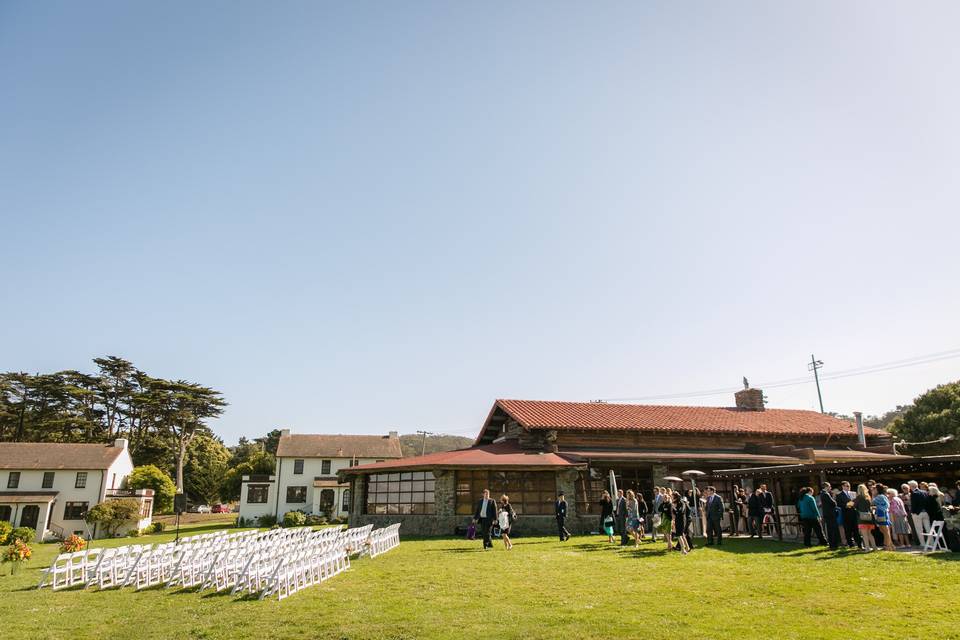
57 455
338 446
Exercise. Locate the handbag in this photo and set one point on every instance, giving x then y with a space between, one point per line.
472 532
865 517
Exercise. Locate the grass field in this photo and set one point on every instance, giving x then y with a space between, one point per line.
541 589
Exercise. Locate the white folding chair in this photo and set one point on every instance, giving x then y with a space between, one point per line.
933 540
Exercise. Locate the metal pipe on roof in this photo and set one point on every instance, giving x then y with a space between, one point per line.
861 436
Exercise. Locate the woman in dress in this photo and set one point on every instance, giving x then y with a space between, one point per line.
642 514
505 519
681 520
666 517
881 511
633 517
606 515
864 506
900 529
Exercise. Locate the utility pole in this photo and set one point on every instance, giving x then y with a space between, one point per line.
813 366
423 442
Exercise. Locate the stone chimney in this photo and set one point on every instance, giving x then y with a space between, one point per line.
749 399
121 443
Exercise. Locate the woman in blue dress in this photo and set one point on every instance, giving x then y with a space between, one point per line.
881 511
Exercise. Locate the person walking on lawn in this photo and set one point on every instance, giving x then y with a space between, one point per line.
561 509
485 514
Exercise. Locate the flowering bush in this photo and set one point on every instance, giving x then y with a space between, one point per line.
72 544
19 551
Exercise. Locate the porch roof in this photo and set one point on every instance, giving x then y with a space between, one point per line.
496 455
45 497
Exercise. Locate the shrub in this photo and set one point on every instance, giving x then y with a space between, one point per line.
149 476
5 529
134 533
157 527
72 544
313 520
267 520
18 552
24 534
294 519
113 513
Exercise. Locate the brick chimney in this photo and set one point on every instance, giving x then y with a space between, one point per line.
749 399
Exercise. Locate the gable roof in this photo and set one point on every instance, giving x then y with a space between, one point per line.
595 416
57 455
304 445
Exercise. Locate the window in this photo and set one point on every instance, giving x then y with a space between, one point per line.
530 492
75 510
325 467
345 503
298 467
257 493
326 501
5 512
81 482
48 479
296 494
13 480
409 493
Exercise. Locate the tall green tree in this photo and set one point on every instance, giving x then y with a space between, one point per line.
205 468
934 414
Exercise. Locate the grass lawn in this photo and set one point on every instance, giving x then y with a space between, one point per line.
542 589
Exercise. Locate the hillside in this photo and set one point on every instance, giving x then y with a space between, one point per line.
411 443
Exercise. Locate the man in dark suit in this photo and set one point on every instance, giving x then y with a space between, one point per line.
828 510
918 509
485 514
714 513
561 509
851 519
620 517
755 513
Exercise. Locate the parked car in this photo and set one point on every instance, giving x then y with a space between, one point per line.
199 508
220 508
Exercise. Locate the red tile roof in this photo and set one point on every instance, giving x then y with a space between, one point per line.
537 414
501 454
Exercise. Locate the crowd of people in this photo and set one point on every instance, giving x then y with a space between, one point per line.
870 517
873 516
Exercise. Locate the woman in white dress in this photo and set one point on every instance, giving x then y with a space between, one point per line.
505 519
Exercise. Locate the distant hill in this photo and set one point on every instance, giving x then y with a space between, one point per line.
412 443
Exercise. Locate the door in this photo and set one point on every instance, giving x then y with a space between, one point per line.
29 516
326 502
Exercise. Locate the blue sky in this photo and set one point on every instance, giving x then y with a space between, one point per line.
356 217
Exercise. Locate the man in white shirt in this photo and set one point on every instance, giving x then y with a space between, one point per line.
485 515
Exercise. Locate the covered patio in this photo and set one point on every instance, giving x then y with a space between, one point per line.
28 509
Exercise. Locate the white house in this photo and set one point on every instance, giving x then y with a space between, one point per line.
305 478
50 486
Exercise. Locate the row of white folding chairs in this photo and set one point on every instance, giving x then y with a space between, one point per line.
69 569
305 569
382 540
356 541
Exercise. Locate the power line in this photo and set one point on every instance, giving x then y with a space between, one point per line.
789 382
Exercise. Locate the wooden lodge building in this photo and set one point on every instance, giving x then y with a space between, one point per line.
530 450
